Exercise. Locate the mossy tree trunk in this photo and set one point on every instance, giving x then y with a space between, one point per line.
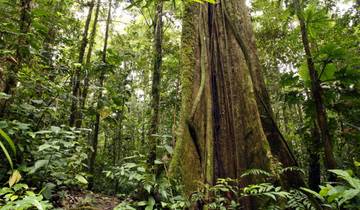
156 77
220 132
237 17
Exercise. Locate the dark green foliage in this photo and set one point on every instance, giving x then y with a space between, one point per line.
141 188
41 156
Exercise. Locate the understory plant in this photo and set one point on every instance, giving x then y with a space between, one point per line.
343 194
20 197
146 187
60 157
228 193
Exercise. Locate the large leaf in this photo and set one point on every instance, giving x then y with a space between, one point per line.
348 195
38 164
9 141
14 178
328 73
347 177
7 155
81 179
150 203
304 72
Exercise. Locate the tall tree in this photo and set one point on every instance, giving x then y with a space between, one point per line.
244 36
84 91
74 111
22 52
99 101
220 129
316 92
156 77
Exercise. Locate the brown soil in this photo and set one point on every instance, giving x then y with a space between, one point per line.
86 200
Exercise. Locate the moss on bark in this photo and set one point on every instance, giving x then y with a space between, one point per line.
223 137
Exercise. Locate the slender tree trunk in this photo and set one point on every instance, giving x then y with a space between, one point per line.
285 119
22 52
99 103
316 91
155 89
118 136
220 131
84 93
74 115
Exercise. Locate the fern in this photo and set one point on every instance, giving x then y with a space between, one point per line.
292 169
298 200
265 190
255 172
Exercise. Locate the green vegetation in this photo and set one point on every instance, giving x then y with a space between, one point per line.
153 104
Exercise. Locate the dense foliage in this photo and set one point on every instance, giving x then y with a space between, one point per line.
77 103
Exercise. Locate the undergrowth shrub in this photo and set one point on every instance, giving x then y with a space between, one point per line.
143 187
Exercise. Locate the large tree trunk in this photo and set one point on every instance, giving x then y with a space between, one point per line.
316 91
239 20
155 89
220 127
74 111
99 102
22 52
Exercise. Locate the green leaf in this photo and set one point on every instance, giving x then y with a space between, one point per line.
304 72
141 203
55 129
329 72
33 200
7 155
4 95
347 177
19 186
44 147
158 162
348 195
317 195
9 141
148 187
38 164
169 149
204 1
37 101
81 179
14 178
150 203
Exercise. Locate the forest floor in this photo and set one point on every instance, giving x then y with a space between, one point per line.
87 200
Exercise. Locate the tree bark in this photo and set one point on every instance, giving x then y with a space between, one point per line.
156 77
99 103
220 131
74 111
316 91
22 52
314 160
239 20
84 93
